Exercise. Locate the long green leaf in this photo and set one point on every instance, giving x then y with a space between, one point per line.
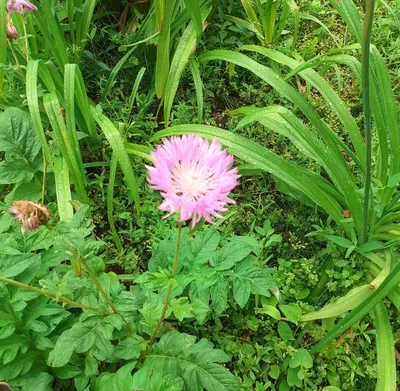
385 350
159 7
63 189
163 48
69 97
308 183
198 84
33 104
312 77
114 138
110 206
83 28
135 88
141 151
53 110
193 8
185 47
363 309
344 179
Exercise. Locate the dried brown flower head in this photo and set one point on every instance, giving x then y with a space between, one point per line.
30 214
5 387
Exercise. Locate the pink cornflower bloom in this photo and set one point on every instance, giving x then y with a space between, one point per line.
20 5
11 30
192 176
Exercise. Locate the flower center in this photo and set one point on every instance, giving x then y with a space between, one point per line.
191 180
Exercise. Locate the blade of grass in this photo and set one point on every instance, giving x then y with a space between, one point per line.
135 88
198 84
33 104
138 150
185 47
110 206
369 14
159 7
84 26
63 189
385 350
163 49
53 110
114 138
193 8
69 97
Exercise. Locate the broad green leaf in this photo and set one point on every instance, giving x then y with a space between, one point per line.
185 47
301 358
25 362
204 247
118 381
241 290
151 311
80 338
219 295
291 311
17 135
285 332
130 348
236 250
14 265
270 310
196 363
15 171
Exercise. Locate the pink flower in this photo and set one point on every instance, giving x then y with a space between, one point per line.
20 5
11 30
193 176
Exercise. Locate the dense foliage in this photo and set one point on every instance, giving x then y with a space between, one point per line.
295 285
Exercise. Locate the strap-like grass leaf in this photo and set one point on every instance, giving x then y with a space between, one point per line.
117 144
385 350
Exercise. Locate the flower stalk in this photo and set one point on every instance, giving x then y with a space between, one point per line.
168 295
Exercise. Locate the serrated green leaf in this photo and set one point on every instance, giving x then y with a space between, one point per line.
17 135
203 247
219 295
79 338
15 171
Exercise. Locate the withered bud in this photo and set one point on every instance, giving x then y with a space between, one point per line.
5 387
30 214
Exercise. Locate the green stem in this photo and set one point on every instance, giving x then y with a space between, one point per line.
164 310
53 296
104 294
369 14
